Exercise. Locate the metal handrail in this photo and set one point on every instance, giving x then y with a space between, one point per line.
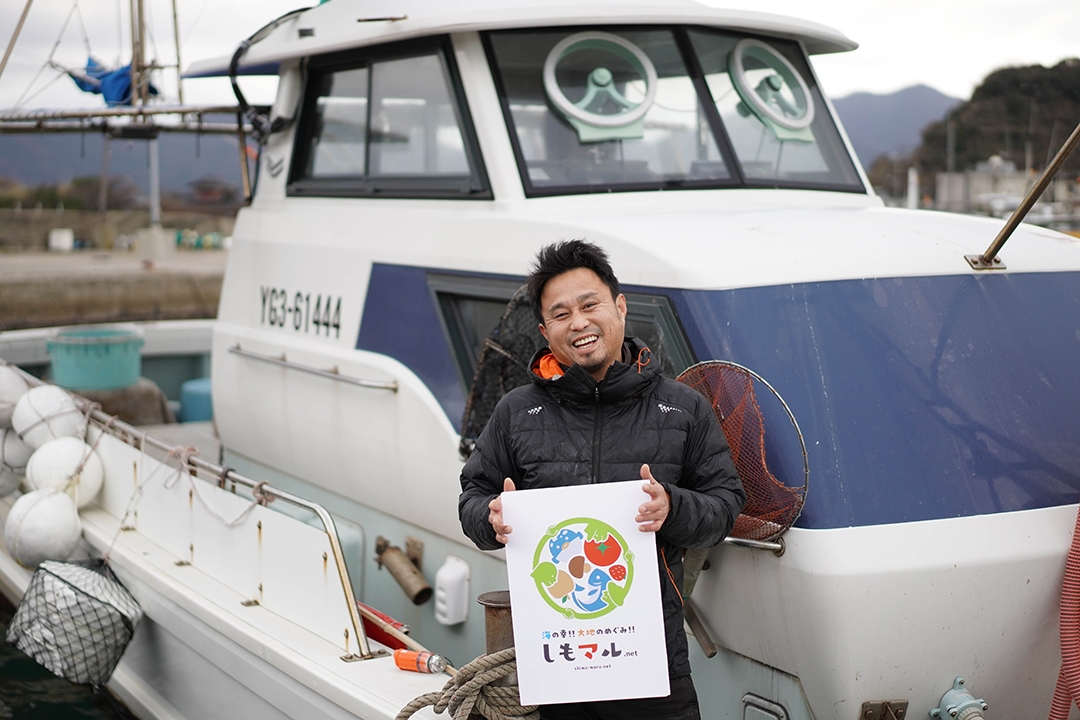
329 374
777 546
114 426
118 428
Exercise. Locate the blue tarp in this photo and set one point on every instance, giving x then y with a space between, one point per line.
114 85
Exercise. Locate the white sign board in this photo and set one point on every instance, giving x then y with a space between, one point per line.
585 593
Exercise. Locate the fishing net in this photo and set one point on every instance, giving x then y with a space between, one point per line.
771 506
76 619
503 366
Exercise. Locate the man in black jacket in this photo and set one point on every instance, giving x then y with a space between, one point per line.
597 411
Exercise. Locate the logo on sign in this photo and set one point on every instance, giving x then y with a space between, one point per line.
582 568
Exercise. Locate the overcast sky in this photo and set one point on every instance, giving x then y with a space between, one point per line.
950 45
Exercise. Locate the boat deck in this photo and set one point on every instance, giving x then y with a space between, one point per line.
199 435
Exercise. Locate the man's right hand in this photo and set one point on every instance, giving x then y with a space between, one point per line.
502 531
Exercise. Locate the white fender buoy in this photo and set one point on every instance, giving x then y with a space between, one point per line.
45 413
12 387
42 525
14 454
53 464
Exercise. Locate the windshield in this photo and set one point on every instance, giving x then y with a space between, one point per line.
601 109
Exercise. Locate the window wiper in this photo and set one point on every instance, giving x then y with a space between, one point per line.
989 259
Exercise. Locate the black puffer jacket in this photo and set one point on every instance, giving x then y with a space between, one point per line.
589 432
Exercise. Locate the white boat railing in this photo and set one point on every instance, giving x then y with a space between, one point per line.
200 467
331 374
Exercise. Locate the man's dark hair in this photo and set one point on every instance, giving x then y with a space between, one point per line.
560 257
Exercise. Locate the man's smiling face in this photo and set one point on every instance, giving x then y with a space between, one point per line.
583 323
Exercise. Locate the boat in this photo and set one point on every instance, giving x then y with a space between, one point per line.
417 156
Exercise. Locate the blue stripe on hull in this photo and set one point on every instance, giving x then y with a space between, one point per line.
401 320
918 398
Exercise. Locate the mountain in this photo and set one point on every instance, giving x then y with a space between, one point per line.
887 124
1022 114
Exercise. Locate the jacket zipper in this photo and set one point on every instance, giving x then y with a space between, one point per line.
598 427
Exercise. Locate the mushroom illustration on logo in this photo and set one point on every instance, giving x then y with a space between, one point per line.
582 568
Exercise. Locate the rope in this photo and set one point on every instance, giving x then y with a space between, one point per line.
63 29
183 457
472 691
44 419
82 25
261 496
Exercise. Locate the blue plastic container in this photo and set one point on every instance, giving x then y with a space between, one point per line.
96 358
195 402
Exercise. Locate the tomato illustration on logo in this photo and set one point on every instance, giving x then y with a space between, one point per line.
603 553
574 568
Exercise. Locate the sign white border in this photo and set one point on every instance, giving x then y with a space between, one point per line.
561 656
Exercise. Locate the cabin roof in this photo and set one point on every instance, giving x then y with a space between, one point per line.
344 24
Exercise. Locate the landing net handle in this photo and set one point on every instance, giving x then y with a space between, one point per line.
771 506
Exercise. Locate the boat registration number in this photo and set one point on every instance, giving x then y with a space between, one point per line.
303 312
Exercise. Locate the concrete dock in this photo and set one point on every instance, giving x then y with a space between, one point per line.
45 289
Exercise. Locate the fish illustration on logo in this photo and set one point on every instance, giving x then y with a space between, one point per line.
561 542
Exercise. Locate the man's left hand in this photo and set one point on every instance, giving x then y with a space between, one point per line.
651 515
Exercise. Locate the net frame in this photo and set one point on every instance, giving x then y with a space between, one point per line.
771 506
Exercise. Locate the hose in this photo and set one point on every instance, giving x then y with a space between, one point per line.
1067 690
262 126
472 690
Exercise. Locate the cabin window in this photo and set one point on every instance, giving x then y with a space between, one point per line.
387 121
773 112
471 308
596 77
605 109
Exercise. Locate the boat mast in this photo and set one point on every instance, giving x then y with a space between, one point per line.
139 96
176 41
18 29
134 49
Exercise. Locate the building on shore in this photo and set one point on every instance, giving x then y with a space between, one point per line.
997 187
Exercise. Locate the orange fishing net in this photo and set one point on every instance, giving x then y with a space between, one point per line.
771 506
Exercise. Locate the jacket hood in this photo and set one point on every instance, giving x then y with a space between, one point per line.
626 377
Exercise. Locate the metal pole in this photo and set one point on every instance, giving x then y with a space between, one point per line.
134 52
40 115
176 38
987 259
155 184
18 29
103 186
143 81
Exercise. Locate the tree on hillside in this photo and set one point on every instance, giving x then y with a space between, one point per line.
1023 114
83 192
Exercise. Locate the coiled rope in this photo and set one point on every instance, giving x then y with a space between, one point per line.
471 690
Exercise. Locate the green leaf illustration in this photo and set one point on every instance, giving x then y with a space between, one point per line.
596 530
